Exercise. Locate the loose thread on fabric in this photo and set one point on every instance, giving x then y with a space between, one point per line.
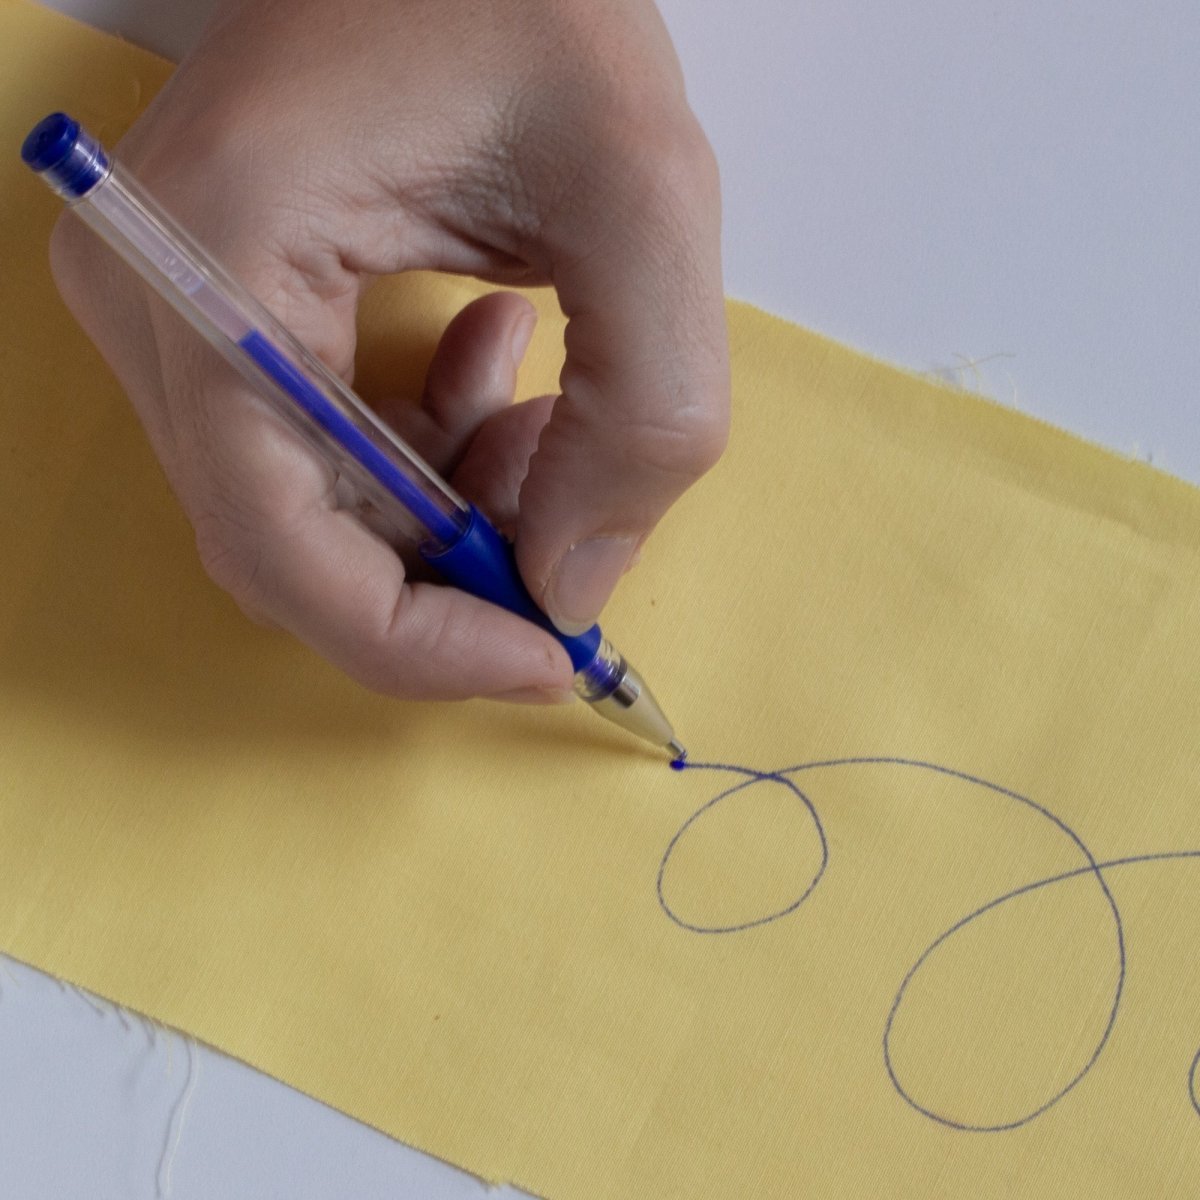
178 1117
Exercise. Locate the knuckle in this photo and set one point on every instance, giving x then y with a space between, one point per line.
686 165
413 638
231 559
679 428
669 165
688 446
641 154
382 668
709 438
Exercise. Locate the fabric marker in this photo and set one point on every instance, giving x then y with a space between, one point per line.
452 536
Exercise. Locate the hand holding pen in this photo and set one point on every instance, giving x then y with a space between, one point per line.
308 153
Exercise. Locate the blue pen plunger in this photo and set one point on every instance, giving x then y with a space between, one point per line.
68 159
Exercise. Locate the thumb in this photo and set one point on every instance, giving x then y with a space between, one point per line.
644 409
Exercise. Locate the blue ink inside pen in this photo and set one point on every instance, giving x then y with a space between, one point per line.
284 374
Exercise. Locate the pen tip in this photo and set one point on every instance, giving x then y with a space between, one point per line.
678 754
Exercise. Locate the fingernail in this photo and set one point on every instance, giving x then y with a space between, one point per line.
583 580
521 335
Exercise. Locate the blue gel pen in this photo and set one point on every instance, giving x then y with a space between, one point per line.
452 536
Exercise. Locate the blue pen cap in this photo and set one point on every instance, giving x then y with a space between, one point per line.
69 159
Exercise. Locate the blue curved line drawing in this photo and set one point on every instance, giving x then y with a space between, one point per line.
754 777
1091 866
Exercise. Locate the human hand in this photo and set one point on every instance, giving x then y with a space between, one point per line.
313 146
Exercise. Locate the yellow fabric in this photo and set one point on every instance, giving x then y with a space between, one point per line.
446 921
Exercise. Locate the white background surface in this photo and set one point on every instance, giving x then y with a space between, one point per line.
1003 195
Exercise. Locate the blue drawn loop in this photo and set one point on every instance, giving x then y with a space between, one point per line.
1091 868
806 885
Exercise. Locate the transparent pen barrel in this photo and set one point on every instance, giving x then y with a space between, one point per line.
381 467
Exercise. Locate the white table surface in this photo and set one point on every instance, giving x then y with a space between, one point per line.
1001 195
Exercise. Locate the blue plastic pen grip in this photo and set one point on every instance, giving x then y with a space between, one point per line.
482 562
477 560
